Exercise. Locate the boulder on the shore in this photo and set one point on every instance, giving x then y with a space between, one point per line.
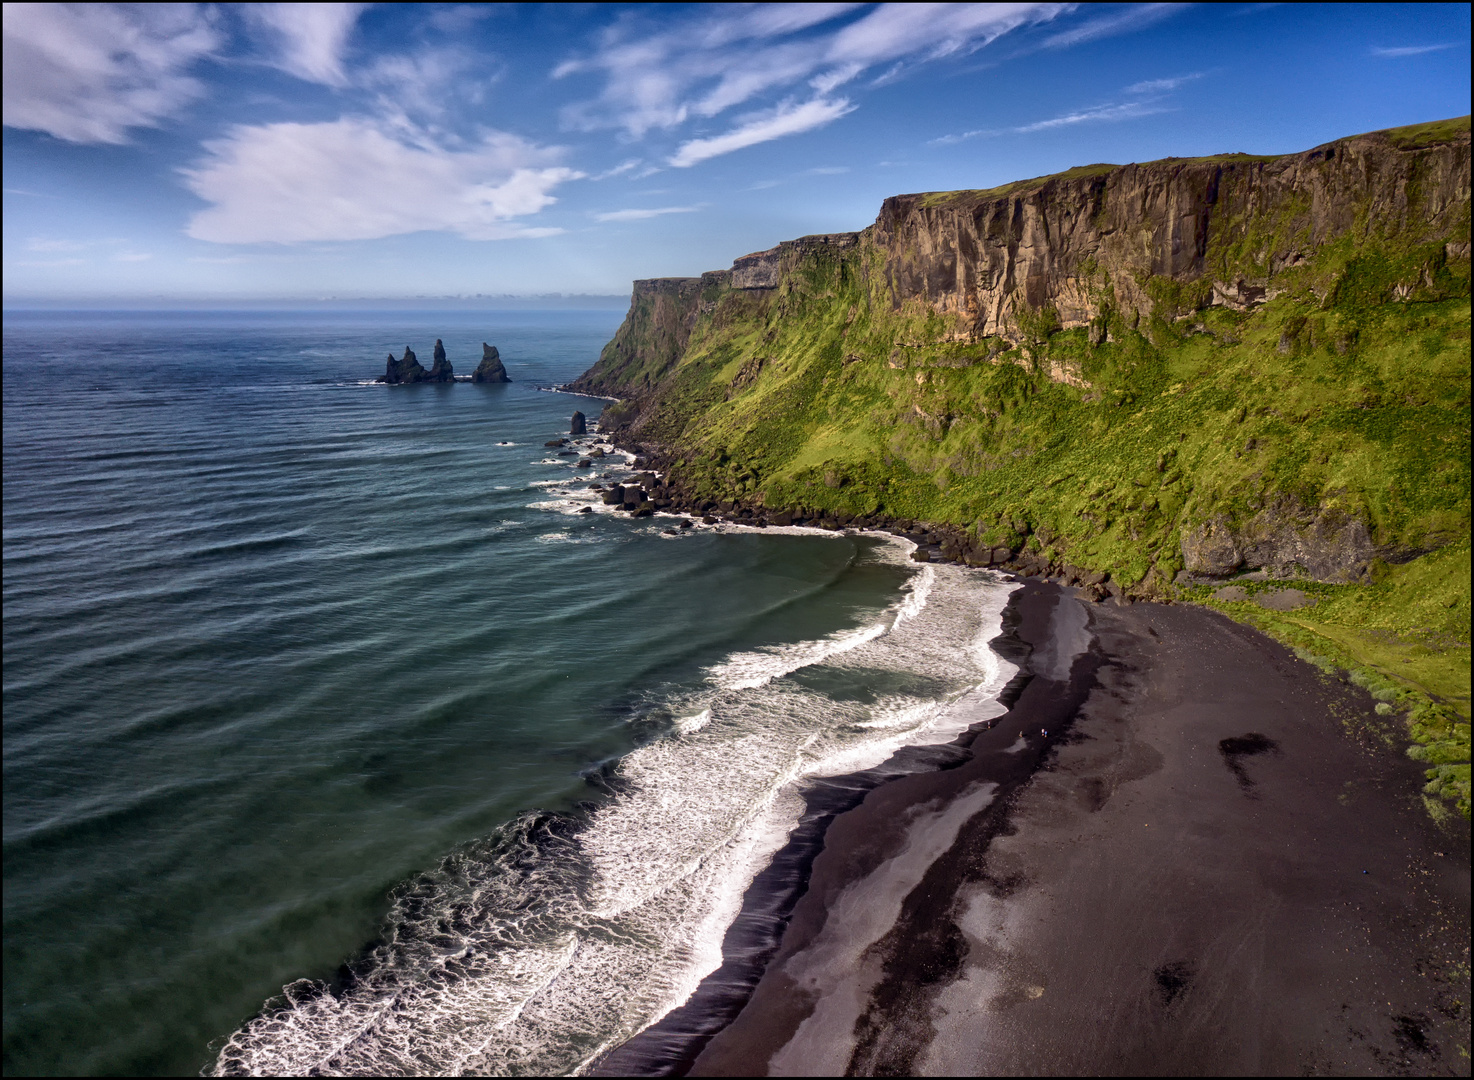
490 370
405 370
578 426
440 371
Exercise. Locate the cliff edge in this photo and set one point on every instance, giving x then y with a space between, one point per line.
1159 376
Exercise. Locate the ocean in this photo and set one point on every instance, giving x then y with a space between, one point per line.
337 739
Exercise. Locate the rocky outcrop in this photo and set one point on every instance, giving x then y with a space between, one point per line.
1288 540
404 370
490 370
578 425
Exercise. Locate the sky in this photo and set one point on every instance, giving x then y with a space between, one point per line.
226 153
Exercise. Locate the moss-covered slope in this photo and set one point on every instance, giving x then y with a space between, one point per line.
1168 372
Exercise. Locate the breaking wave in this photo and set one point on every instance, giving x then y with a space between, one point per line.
539 949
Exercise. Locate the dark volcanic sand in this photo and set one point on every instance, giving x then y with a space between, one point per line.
1198 870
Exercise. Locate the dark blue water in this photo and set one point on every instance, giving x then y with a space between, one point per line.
303 671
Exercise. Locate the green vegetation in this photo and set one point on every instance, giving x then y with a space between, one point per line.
1330 416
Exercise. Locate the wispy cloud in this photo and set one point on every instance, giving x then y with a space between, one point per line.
87 73
785 120
1136 17
641 215
1128 110
355 179
730 56
619 170
1412 50
311 39
46 243
1147 100
1162 86
132 256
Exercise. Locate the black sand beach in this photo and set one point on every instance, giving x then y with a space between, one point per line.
1181 851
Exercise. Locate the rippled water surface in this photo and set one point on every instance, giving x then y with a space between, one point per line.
302 672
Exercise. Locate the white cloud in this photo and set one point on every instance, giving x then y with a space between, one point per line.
311 38
721 60
1412 50
641 215
1129 110
87 73
785 120
1162 86
618 170
1137 17
132 256
352 179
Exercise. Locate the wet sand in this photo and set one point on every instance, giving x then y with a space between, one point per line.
1211 863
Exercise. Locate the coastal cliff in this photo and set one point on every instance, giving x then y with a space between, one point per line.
1150 377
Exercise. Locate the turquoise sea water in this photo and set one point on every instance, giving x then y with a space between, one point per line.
302 672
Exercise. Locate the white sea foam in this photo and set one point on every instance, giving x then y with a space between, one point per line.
748 671
541 948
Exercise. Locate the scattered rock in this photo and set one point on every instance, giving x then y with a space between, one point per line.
586 510
578 426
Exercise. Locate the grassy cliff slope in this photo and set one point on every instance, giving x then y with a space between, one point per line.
1174 374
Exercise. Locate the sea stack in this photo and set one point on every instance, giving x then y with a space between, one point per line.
441 371
406 370
490 370
578 427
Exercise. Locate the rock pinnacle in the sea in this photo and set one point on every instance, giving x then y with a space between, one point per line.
441 371
490 369
578 427
406 370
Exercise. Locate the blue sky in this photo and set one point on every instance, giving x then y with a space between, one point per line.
247 152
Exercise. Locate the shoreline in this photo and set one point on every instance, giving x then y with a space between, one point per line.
671 1045
1200 870
1214 862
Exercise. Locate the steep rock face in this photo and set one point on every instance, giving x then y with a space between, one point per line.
650 341
1098 235
491 369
